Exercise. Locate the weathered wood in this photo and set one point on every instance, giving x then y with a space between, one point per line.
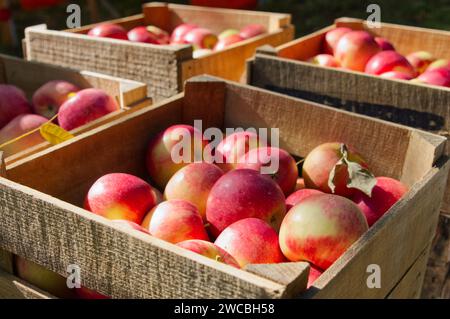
6 258
14 288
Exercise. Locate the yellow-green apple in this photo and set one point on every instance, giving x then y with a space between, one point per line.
198 53
386 193
325 60
227 33
109 30
332 38
299 196
201 38
166 154
420 60
440 63
209 250
162 35
48 98
175 221
274 162
85 293
354 49
179 33
120 196
141 34
42 278
193 184
439 77
244 193
397 75
337 168
20 125
13 102
314 274
251 241
126 224
252 30
227 41
234 146
384 44
320 229
85 106
387 61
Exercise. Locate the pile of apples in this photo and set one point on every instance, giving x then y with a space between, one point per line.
363 52
203 40
74 107
231 212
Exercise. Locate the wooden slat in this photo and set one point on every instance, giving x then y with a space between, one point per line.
6 258
14 288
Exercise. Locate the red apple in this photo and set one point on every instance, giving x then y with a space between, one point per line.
85 293
180 32
227 41
420 60
120 196
314 274
441 63
193 184
387 61
300 195
251 241
48 98
384 44
439 77
176 221
386 193
165 155
244 193
162 36
85 106
325 60
209 250
20 125
201 38
42 278
13 102
355 49
226 33
141 34
332 38
252 30
109 30
234 146
396 75
275 162
329 158
126 224
320 229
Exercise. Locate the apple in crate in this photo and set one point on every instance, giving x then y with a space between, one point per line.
175 221
13 102
120 196
85 106
387 61
48 98
244 193
109 30
274 162
227 41
179 33
143 35
386 193
396 75
165 155
42 278
210 250
332 38
439 77
420 60
201 38
325 60
193 183
252 30
354 49
337 168
314 274
384 44
251 241
320 229
20 125
162 36
300 184
440 63
300 195
127 225
228 32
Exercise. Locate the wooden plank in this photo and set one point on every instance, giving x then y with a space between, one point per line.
6 258
14 288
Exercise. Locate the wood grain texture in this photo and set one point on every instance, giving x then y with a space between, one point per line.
14 288
6 258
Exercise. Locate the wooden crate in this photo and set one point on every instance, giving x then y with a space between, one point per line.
163 67
41 218
29 76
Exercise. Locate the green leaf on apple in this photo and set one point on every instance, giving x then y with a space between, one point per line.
358 177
